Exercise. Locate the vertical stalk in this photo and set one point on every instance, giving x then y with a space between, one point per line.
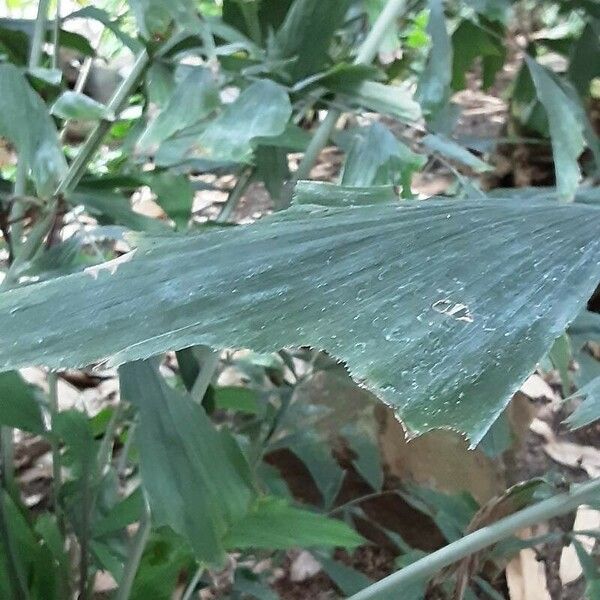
366 54
56 36
425 568
135 555
35 55
55 448
190 589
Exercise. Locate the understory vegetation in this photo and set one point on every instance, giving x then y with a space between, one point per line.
299 299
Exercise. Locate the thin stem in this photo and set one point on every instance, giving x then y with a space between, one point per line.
135 555
77 168
35 55
369 48
55 447
39 33
123 455
105 450
366 54
360 500
191 588
317 143
56 36
117 102
234 196
425 568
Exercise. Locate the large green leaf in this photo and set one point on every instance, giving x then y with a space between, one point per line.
442 308
262 110
566 129
25 121
192 480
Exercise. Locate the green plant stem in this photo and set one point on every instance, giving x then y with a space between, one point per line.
366 53
189 590
39 33
35 55
425 568
55 447
234 196
135 555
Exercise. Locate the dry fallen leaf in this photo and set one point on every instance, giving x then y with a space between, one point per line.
525 575
536 388
565 453
304 566
587 519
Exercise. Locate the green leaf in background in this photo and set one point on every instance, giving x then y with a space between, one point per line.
174 194
582 67
434 84
102 16
194 98
469 42
111 207
18 405
348 580
72 105
566 130
261 110
154 17
455 152
377 157
25 121
388 99
437 324
589 410
192 479
322 466
306 34
237 398
274 524
494 10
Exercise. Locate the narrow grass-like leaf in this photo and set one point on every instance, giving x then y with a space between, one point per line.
450 149
566 130
275 524
25 121
72 105
193 484
442 308
18 405
434 85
